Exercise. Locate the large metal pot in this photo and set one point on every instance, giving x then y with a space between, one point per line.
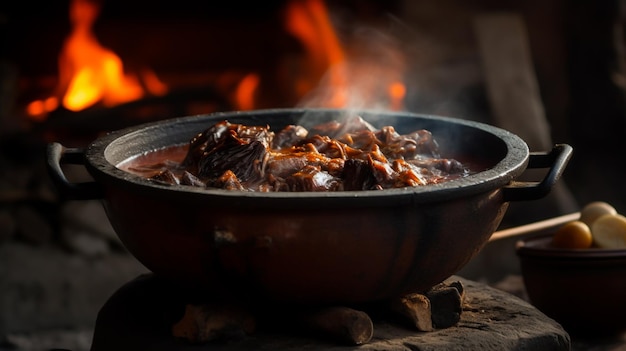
334 247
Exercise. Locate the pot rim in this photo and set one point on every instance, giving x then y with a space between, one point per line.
508 168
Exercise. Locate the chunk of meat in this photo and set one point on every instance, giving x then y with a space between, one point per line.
358 175
165 176
444 165
220 136
408 146
335 129
190 179
245 160
228 180
289 136
312 178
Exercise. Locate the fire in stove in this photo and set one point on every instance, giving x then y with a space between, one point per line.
315 68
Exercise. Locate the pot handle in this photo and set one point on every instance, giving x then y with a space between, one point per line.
555 160
57 154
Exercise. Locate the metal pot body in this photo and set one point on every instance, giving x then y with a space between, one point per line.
336 247
326 254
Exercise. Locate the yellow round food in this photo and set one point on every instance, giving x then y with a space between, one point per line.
573 235
595 210
609 231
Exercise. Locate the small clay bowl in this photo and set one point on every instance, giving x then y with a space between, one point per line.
582 289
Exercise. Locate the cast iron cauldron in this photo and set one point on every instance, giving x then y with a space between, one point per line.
310 247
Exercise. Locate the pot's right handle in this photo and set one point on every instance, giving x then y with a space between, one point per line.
58 154
555 160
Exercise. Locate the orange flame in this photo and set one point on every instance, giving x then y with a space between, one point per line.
244 94
38 108
93 73
308 20
90 73
339 82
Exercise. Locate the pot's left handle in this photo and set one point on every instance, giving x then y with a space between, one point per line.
555 161
57 155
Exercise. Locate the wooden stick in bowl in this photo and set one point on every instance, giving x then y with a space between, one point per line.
535 227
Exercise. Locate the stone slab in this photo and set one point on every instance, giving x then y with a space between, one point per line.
134 318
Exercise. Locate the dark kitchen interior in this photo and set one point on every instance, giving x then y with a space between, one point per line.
60 260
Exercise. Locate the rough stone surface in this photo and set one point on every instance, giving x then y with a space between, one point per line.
32 227
57 340
44 288
491 320
7 226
